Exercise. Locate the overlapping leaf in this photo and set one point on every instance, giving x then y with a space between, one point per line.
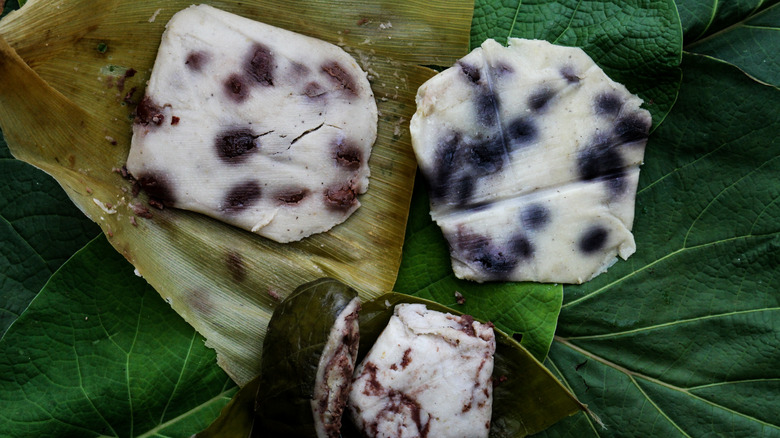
97 353
62 108
682 341
526 398
743 33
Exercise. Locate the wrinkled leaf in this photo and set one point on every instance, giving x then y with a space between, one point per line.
528 311
745 33
39 230
61 108
97 353
636 42
683 340
613 389
526 398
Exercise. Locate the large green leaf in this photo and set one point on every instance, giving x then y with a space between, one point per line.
39 229
636 42
528 311
744 33
683 339
97 353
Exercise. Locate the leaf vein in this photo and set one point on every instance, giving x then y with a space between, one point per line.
178 380
127 363
661 259
564 381
221 396
732 382
571 20
514 21
657 408
26 242
632 374
81 383
672 324
722 191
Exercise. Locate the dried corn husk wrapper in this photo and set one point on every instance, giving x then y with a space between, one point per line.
66 106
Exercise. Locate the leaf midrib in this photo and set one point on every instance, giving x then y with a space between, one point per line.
671 324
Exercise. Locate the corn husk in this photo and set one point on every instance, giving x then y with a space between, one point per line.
63 108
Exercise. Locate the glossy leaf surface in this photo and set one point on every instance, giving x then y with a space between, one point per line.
630 360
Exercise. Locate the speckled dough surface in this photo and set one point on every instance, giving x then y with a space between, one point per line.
532 157
427 375
257 126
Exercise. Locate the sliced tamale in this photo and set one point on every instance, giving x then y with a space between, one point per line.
428 374
527 398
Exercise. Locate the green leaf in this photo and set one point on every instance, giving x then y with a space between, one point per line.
97 353
745 33
724 299
637 42
704 18
529 311
682 340
9 6
293 348
39 229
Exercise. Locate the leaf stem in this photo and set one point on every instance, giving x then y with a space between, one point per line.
514 20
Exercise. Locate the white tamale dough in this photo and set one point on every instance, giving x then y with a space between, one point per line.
427 375
532 156
257 126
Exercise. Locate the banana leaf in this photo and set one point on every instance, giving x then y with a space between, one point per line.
72 73
527 398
